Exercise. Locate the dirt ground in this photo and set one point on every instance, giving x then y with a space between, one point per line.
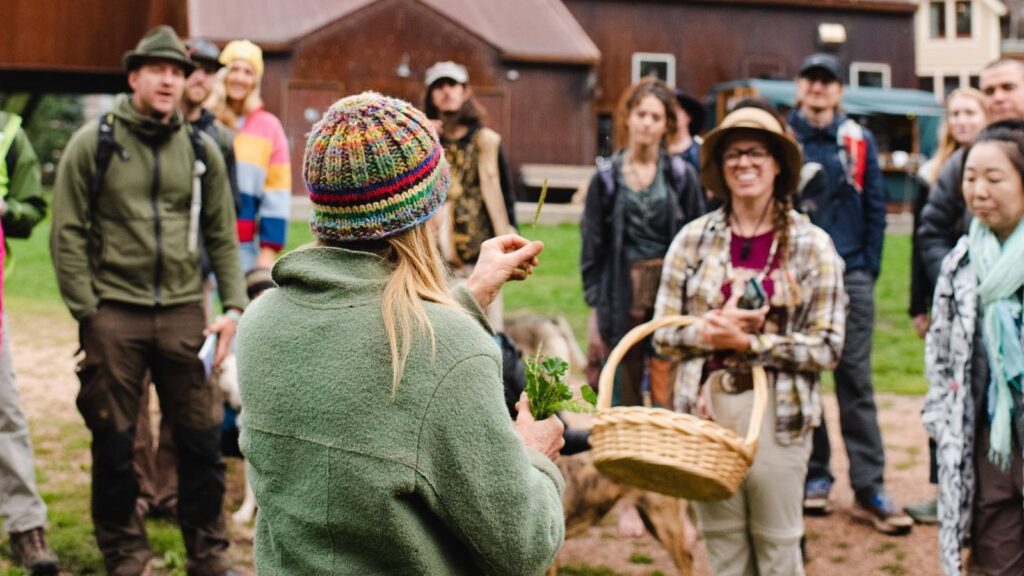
836 545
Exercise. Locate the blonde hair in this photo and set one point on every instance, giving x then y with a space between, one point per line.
218 104
419 275
947 144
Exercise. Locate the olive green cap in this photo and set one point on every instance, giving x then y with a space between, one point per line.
160 43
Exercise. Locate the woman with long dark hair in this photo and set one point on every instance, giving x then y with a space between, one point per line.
635 205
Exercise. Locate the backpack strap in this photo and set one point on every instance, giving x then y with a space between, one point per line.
106 147
677 167
196 136
852 152
198 172
807 172
606 172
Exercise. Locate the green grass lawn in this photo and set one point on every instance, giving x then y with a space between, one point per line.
62 443
555 288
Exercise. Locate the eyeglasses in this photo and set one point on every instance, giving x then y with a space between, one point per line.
757 156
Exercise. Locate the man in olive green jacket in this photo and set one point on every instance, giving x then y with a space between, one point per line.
124 246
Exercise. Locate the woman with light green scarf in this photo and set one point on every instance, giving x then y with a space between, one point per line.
975 366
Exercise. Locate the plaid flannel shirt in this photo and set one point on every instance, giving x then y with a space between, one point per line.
803 333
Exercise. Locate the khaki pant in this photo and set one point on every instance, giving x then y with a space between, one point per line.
121 342
21 508
757 531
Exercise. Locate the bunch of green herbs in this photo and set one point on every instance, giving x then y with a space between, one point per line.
548 389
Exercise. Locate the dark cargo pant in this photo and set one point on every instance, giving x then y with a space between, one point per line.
858 415
156 463
121 342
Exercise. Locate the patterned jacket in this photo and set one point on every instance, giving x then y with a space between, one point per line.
803 333
949 413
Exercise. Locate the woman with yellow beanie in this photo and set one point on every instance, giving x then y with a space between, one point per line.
261 155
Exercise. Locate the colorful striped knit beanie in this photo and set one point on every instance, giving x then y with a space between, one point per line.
373 168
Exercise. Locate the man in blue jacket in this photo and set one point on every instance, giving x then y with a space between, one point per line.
852 211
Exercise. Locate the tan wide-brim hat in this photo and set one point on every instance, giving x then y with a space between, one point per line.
756 120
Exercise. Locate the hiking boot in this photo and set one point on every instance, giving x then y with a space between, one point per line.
30 551
879 512
926 512
816 497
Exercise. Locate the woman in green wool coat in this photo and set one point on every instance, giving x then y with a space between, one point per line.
375 428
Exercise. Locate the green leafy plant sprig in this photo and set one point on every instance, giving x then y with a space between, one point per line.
549 392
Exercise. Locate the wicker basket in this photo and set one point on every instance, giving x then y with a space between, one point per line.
667 452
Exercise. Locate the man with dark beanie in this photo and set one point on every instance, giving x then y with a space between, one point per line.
125 249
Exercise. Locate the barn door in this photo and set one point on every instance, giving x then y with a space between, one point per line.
305 103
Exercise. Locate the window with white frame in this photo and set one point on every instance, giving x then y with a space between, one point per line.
962 9
937 19
870 74
648 64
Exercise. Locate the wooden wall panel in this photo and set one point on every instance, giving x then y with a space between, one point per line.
550 117
79 36
716 43
366 49
364 52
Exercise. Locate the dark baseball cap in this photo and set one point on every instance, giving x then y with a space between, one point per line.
826 62
202 51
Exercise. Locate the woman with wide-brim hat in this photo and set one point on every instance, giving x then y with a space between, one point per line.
768 288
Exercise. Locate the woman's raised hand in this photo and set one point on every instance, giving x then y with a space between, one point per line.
504 258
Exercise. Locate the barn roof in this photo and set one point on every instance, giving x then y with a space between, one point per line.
526 30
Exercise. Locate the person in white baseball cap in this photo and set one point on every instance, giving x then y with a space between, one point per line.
481 203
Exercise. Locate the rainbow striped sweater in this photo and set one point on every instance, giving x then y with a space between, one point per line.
264 184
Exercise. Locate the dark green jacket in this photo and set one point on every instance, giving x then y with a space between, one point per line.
26 204
134 248
353 480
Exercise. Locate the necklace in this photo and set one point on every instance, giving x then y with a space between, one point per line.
748 239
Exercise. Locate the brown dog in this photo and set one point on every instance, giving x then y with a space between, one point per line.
589 496
552 337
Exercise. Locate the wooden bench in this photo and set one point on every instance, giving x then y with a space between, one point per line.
571 178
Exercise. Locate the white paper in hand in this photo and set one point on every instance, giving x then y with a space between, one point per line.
207 353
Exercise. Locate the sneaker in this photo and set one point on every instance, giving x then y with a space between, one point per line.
926 512
29 549
879 512
816 497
